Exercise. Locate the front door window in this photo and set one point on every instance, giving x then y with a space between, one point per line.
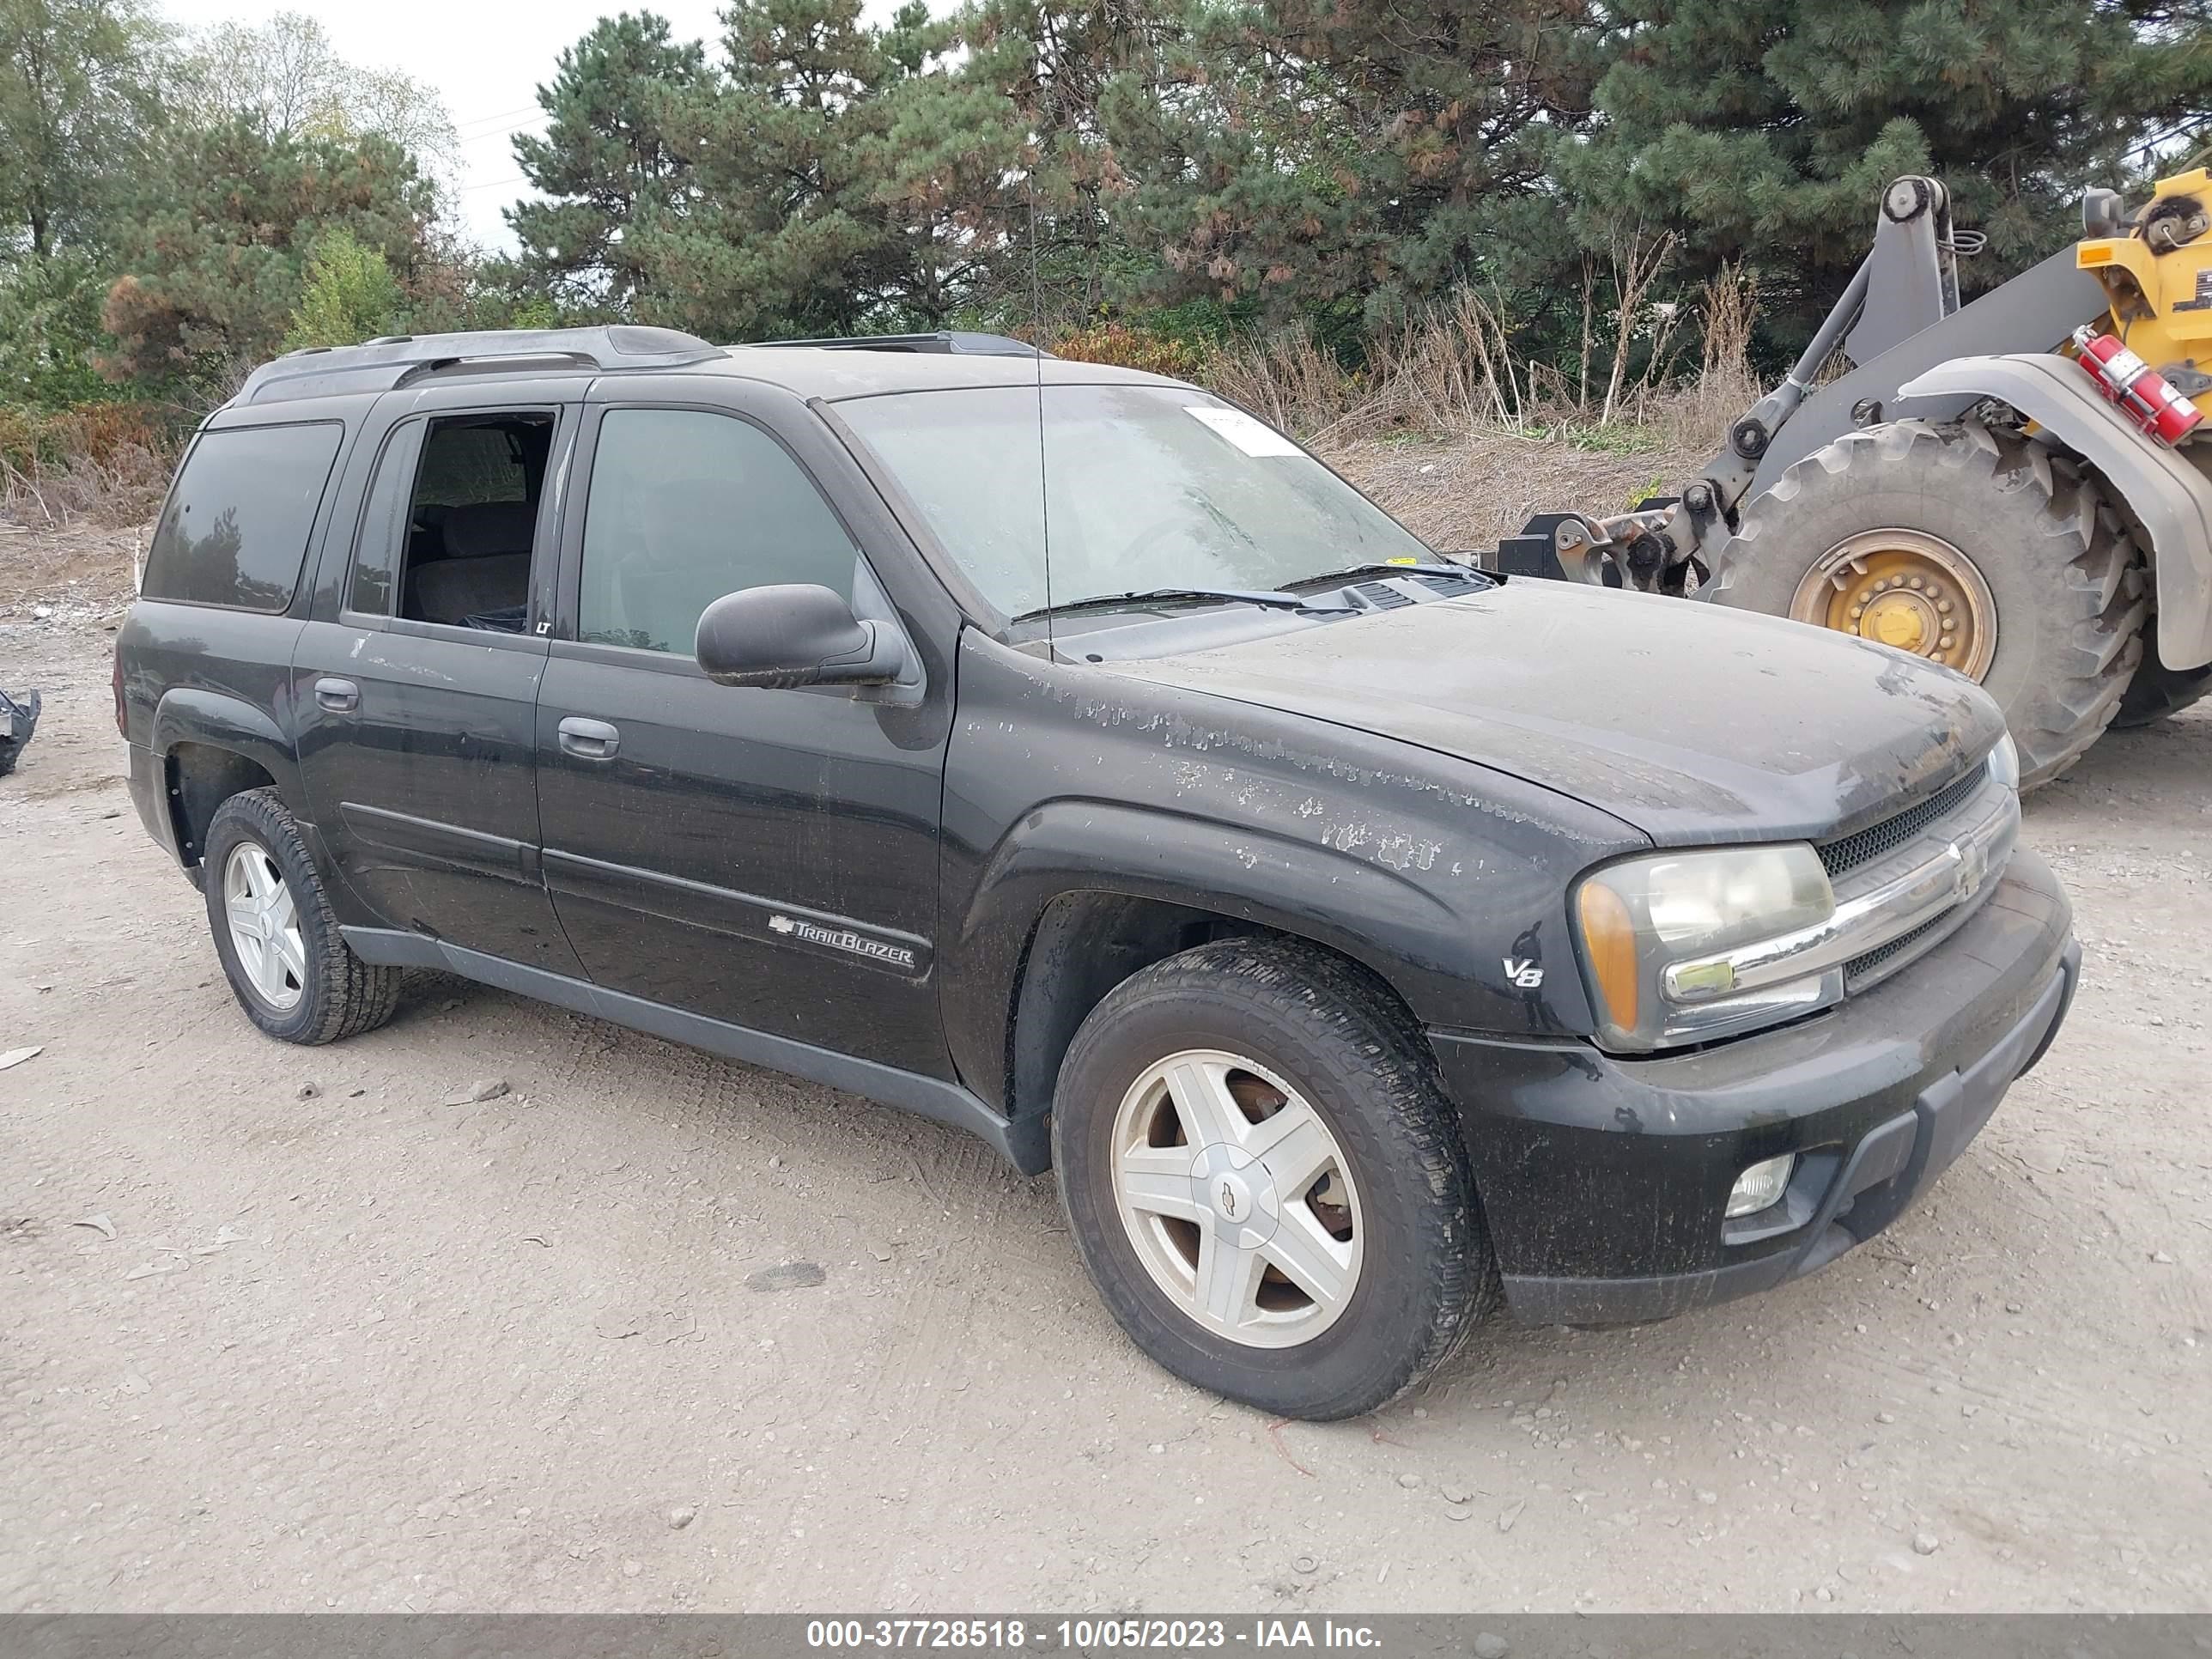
687 505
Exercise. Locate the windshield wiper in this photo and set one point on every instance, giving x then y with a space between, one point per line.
1389 569
1274 598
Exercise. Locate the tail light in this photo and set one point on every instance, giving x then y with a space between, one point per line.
122 715
2141 394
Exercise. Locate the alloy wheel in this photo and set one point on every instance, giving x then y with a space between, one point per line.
1238 1198
264 926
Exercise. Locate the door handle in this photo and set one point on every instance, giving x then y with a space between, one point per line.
339 696
589 740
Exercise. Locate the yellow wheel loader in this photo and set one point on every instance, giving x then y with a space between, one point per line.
2019 488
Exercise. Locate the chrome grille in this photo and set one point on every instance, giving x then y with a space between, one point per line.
1847 853
1928 869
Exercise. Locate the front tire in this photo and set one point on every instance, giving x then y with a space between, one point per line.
1266 1184
1913 535
289 966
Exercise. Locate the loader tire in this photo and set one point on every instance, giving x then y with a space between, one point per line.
2065 590
2157 691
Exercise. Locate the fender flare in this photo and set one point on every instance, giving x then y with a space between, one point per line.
2167 496
1068 849
190 714
193 714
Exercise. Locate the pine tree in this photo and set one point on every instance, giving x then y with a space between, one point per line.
1763 130
605 158
216 248
841 177
773 236
1307 152
951 156
1056 64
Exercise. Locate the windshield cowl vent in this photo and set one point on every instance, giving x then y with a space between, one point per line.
1379 595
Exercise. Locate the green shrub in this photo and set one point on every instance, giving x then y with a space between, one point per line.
350 296
49 330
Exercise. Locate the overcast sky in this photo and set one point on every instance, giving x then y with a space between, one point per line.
486 57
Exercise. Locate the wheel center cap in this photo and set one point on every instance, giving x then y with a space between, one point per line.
1899 622
1237 1195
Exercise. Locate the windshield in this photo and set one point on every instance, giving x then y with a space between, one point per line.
1148 486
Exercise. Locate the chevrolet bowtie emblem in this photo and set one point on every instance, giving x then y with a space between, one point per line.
1972 865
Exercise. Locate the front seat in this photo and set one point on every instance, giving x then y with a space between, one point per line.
486 567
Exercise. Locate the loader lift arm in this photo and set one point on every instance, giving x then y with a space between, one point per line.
1899 316
2020 489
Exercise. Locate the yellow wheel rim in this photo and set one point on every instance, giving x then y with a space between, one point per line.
1904 588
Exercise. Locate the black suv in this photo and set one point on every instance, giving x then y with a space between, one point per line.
1062 753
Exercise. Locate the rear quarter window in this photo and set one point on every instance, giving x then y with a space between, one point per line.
235 530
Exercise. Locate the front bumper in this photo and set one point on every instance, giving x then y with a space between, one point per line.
1604 1180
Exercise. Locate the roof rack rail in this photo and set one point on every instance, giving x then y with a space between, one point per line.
397 360
958 342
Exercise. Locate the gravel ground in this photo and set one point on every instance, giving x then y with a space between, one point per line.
288 1329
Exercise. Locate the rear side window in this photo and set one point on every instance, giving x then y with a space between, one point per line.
235 530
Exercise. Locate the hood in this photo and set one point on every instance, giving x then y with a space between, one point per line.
1692 723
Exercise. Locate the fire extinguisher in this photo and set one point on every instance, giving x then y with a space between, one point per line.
2142 395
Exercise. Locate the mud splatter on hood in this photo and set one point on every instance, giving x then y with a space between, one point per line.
1692 723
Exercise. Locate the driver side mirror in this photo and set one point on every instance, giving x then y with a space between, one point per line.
794 634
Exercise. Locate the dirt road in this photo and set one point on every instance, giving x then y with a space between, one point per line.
350 1345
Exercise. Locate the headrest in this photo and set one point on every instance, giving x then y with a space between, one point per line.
479 530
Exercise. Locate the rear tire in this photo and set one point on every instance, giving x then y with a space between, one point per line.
2068 591
289 966
1293 1035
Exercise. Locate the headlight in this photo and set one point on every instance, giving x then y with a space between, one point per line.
1640 918
2004 763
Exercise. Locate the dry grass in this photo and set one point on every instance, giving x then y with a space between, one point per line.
106 463
1454 373
1448 428
1702 410
125 490
1132 348
1462 494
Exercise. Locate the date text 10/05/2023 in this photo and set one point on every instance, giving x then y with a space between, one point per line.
1088 1635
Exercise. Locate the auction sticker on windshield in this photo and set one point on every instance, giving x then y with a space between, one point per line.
1252 437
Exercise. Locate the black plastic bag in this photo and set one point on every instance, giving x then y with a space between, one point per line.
18 720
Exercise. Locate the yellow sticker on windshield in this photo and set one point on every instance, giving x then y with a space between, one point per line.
1252 437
